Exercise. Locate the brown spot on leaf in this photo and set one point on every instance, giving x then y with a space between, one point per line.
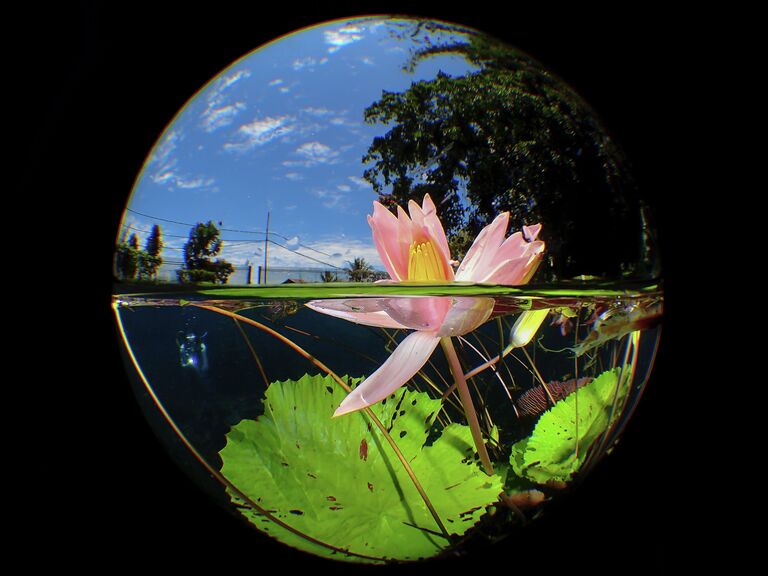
370 486
363 450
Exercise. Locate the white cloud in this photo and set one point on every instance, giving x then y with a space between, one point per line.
312 111
261 131
336 39
226 82
163 154
344 187
307 62
194 183
215 118
165 170
163 177
359 182
172 179
329 198
368 60
310 121
343 121
294 176
334 250
276 82
317 153
218 113
314 153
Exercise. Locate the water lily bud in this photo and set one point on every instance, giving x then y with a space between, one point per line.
526 327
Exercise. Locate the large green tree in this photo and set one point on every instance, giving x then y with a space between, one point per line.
507 136
204 243
149 258
127 256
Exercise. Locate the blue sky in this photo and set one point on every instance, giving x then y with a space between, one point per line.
280 130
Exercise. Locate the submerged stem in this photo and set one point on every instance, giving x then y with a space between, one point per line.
253 351
466 400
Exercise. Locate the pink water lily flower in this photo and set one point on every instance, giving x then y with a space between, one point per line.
414 248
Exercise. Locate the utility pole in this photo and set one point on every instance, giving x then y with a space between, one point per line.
266 248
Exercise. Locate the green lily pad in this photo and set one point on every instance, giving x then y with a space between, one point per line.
560 441
337 480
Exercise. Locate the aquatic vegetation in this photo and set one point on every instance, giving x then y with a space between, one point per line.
336 481
613 324
536 400
525 327
564 434
399 480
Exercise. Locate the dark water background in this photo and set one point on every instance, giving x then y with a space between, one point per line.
205 404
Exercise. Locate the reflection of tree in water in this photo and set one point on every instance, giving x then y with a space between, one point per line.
509 136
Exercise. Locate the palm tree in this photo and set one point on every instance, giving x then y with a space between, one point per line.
359 270
328 276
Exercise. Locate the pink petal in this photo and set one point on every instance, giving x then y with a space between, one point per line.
531 232
533 265
466 314
417 216
437 234
493 259
513 247
516 246
515 271
365 311
478 261
407 359
510 272
405 233
418 312
386 229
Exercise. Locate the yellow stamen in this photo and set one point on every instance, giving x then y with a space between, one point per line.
424 264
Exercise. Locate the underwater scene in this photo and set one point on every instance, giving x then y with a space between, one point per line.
478 439
387 289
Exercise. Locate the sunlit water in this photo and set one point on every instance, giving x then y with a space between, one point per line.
336 487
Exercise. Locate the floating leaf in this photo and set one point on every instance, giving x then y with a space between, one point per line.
338 481
560 442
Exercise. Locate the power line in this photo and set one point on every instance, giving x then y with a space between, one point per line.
304 255
235 243
228 230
